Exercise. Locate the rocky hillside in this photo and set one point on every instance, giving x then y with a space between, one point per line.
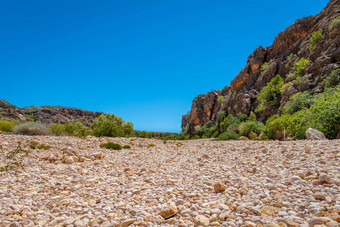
313 39
47 114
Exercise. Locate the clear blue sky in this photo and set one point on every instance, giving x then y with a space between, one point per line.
144 60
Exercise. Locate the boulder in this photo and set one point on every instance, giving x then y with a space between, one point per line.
313 134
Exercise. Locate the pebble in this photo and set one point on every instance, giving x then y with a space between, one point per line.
203 182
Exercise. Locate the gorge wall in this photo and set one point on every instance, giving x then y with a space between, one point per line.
289 46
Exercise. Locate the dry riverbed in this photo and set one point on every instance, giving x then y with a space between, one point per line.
175 183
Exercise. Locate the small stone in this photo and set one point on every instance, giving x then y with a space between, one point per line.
325 178
92 202
168 212
219 187
269 211
318 221
253 163
202 220
270 224
128 222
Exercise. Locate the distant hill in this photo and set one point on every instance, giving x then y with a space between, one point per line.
47 114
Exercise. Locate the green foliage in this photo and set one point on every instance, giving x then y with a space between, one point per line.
126 147
299 122
229 120
6 126
300 65
316 36
75 129
298 101
143 134
333 79
221 99
325 112
270 95
31 128
44 147
1 115
335 22
221 115
252 117
323 115
110 145
33 145
57 129
251 126
228 136
276 126
111 125
13 159
264 66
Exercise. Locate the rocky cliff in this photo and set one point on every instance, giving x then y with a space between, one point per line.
290 46
47 114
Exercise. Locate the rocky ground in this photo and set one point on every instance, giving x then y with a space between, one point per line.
75 182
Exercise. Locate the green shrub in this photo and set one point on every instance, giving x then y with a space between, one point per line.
126 147
228 136
251 126
212 130
276 127
33 145
110 145
57 129
111 125
300 65
143 134
44 147
264 66
75 129
6 126
316 36
299 122
252 117
270 95
298 101
333 79
229 120
335 22
221 115
221 99
325 112
31 128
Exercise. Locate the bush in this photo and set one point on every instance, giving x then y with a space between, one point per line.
57 129
325 112
221 99
110 145
143 134
270 95
333 79
251 126
335 22
264 66
31 128
126 147
316 36
299 66
298 101
75 129
6 126
276 127
299 122
111 125
228 136
221 115
252 117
